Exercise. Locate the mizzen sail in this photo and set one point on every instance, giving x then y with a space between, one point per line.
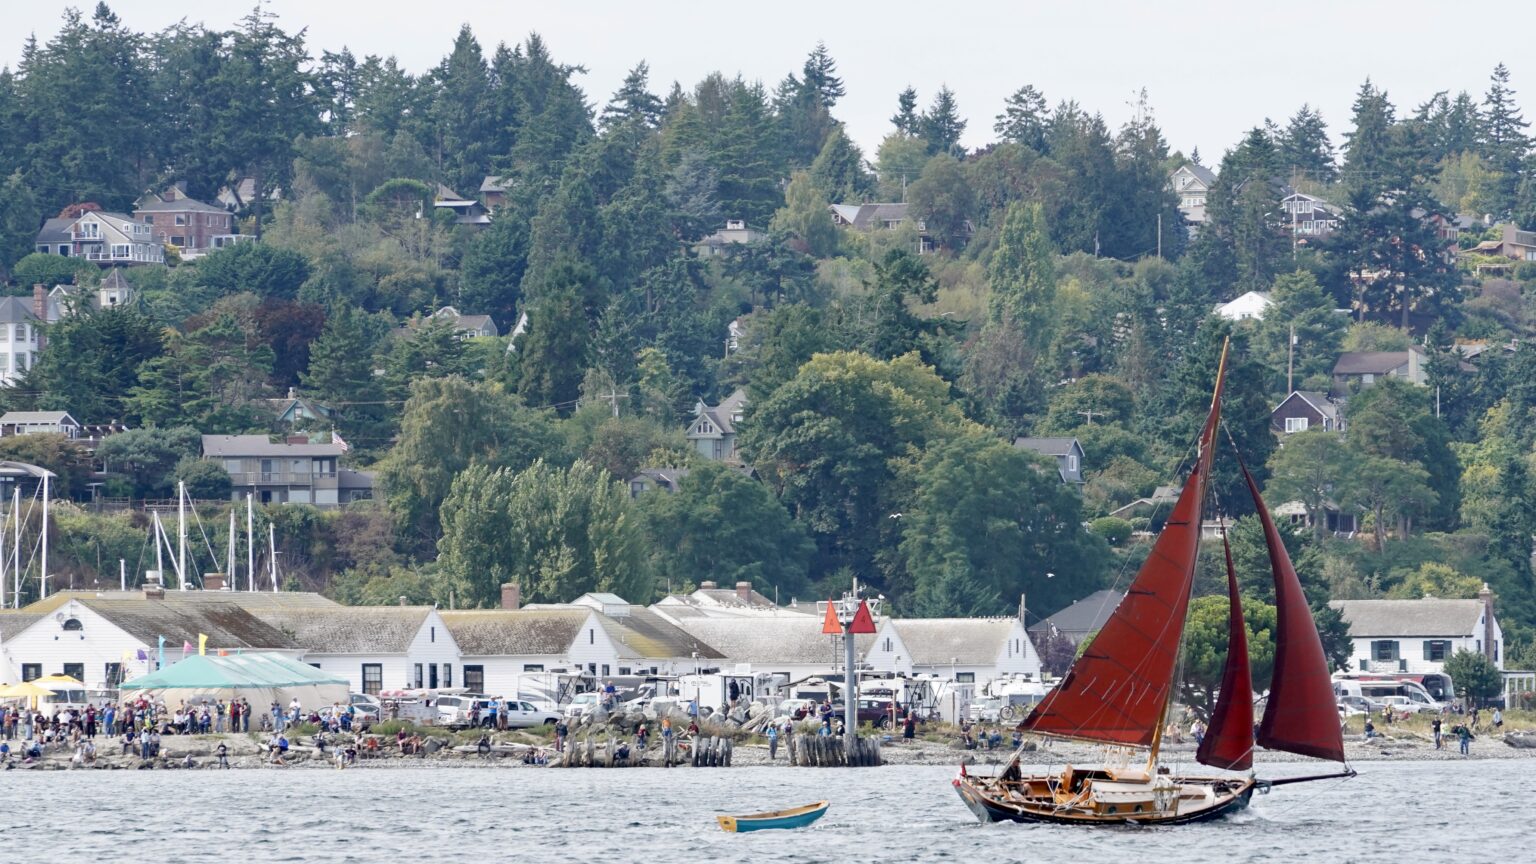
1118 689
1301 715
1229 742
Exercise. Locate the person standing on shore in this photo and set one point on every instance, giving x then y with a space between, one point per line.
1498 718
223 752
561 730
1464 736
909 726
773 742
1435 727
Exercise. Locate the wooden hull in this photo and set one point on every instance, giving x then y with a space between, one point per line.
797 817
1174 801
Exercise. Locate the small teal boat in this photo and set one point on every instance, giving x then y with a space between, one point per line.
797 817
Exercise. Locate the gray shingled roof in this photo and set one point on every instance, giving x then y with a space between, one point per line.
225 624
30 417
180 205
1204 174
644 635
14 310
13 621
55 231
248 600
1046 446
515 632
1369 362
1083 616
1428 617
1319 401
770 639
863 217
351 629
966 641
237 446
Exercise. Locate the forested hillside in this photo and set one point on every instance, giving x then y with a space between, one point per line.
1044 285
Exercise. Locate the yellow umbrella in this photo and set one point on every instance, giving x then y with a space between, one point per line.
25 689
65 680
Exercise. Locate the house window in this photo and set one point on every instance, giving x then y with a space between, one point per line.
418 681
63 249
75 671
119 250
527 667
1071 461
373 678
591 636
31 671
623 670
605 670
1436 650
447 674
1368 378
965 678
181 220
431 634
887 644
73 624
474 678
1384 650
114 675
178 240
149 220
1295 424
432 675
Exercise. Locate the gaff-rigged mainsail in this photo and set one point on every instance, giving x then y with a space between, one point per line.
1229 742
1301 715
1117 692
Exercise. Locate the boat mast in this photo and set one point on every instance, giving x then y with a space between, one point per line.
16 546
229 559
181 533
272 553
159 533
42 575
250 544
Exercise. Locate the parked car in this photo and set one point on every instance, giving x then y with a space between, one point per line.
986 710
1360 704
1402 705
581 704
522 715
455 711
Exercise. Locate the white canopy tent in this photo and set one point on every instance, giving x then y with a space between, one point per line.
262 678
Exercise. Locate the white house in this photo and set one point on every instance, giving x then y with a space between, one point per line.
39 423
20 330
499 646
785 643
713 430
965 650
102 641
1418 636
1248 307
1192 184
638 640
375 647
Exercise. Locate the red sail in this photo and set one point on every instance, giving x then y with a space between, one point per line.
1116 691
1301 715
1229 742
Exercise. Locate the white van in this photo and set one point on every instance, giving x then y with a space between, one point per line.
1412 693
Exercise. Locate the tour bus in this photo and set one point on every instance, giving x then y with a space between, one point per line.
1376 688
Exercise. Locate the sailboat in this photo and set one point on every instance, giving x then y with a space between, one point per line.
1119 693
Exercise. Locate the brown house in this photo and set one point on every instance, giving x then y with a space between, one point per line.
193 227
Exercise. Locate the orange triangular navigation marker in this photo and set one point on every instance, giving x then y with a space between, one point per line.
863 622
830 623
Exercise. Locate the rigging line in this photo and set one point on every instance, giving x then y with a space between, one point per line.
209 545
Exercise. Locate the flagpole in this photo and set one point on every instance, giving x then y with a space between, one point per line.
250 543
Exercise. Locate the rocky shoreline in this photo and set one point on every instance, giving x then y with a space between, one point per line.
199 753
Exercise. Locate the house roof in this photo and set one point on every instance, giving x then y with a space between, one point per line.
963 641
236 446
225 624
515 632
1202 173
865 216
179 205
722 415
1083 616
771 639
1370 362
1319 402
351 629
667 476
255 601
14 310
54 418
645 635
1427 617
13 621
1047 446
116 281
493 184
55 230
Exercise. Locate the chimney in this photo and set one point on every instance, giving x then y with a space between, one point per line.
1022 610
707 586
1486 595
293 392
402 600
511 595
154 591
40 302
744 591
213 581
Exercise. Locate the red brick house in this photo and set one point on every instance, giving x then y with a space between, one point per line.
191 226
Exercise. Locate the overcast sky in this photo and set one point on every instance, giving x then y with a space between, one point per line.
1212 69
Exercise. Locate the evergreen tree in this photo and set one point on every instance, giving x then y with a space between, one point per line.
839 170
341 376
461 113
1023 274
941 125
1305 148
1504 142
1025 119
554 351
819 76
906 119
632 102
1368 146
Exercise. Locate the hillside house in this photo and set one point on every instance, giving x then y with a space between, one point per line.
713 430
1357 369
191 226
1249 307
102 238
294 471
1418 636
735 233
880 217
39 423
1066 452
1307 409
468 326
20 339
1192 184
1309 216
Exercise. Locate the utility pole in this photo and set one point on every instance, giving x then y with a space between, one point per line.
1090 414
1290 363
612 397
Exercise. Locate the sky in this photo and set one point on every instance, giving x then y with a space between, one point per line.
1211 69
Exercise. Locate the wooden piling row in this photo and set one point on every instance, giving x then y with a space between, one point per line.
823 751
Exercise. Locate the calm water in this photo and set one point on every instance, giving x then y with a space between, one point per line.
1398 812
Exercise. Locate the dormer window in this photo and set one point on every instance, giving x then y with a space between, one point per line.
73 624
